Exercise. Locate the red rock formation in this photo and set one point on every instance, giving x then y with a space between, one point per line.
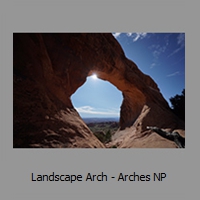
49 68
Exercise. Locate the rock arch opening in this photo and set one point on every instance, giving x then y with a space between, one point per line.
97 98
132 99
98 103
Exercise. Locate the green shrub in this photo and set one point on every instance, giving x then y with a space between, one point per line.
178 105
103 137
108 136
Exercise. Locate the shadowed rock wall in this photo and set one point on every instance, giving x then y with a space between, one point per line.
49 68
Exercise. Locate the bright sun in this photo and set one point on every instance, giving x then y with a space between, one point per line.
94 76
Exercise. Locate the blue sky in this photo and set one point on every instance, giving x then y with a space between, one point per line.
159 55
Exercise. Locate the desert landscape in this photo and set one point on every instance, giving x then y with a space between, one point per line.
48 68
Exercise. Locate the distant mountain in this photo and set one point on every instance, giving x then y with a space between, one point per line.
99 120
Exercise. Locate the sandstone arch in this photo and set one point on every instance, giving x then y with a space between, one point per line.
49 68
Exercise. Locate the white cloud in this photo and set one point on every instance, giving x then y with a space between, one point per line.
180 43
116 34
129 34
136 36
93 111
153 65
173 74
181 39
157 50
